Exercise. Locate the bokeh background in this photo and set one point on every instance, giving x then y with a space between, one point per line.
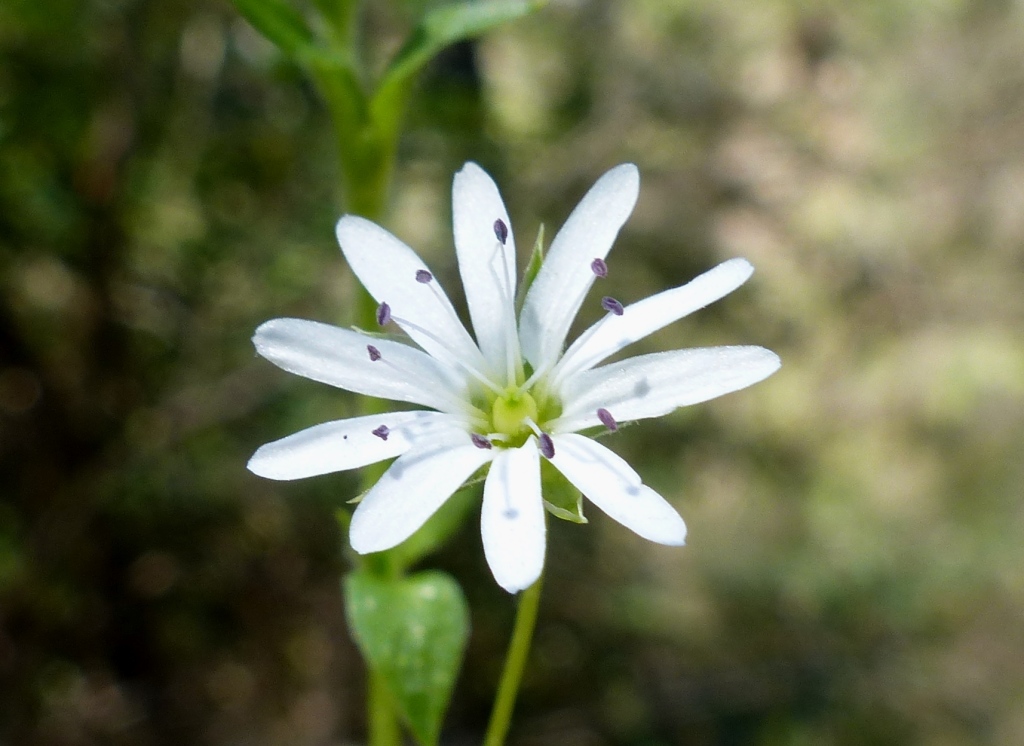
855 569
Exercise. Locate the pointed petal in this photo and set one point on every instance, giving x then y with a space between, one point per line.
344 444
412 490
387 268
565 277
612 333
512 519
610 483
340 357
654 385
488 270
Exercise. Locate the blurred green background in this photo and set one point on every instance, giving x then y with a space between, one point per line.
855 569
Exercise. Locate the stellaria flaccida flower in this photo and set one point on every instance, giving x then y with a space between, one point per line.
510 395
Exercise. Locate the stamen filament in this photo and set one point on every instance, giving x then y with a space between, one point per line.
529 382
424 277
455 404
560 370
513 354
480 377
595 267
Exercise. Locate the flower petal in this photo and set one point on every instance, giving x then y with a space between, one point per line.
565 276
388 270
612 333
512 518
412 490
341 358
344 444
653 385
611 484
487 268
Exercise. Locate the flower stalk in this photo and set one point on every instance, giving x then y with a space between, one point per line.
515 664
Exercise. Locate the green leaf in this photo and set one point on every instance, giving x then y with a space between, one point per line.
532 267
448 24
561 499
436 531
437 29
279 22
412 632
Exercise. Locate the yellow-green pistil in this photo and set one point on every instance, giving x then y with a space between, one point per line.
511 414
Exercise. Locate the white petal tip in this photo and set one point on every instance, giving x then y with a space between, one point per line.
627 170
257 467
264 328
761 362
517 585
349 227
368 536
263 331
347 220
672 533
470 167
365 545
270 468
740 266
626 177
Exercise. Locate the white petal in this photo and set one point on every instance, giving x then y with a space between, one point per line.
344 444
488 270
512 518
612 333
412 490
340 357
610 483
565 277
654 385
387 268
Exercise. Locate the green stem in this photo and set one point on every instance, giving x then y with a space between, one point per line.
383 723
366 175
515 662
366 164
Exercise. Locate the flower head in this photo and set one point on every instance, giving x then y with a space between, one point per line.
509 395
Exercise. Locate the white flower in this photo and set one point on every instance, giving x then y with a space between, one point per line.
512 396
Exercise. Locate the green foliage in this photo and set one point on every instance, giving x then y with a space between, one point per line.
367 116
280 23
560 497
444 25
532 266
412 631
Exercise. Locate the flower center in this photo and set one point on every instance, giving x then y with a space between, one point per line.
511 413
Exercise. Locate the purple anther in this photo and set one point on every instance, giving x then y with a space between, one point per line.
383 314
374 353
599 268
607 420
501 231
547 446
382 432
480 441
608 303
423 276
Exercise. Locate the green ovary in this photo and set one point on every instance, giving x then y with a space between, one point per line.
509 415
